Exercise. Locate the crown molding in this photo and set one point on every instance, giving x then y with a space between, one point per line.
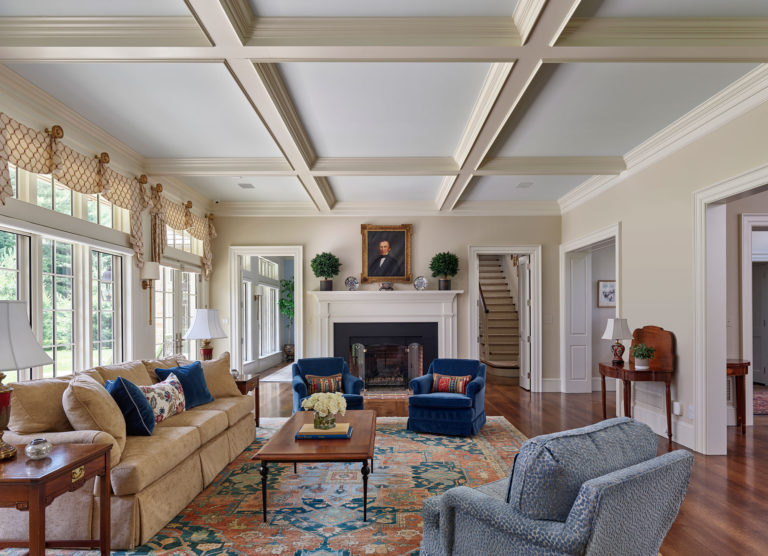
402 166
247 208
525 15
553 165
735 100
101 31
384 31
241 17
506 208
180 192
492 85
218 167
664 31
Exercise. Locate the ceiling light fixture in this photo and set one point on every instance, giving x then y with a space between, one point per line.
246 185
524 184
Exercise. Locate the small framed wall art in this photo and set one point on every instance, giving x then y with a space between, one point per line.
606 293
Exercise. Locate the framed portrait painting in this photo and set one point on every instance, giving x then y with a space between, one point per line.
386 253
606 293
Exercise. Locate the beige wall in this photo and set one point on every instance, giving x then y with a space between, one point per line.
655 209
341 236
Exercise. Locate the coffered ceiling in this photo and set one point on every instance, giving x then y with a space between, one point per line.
261 107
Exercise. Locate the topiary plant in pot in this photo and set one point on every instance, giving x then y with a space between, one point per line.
444 265
286 306
326 266
642 355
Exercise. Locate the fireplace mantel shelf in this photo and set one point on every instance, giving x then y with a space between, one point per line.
428 296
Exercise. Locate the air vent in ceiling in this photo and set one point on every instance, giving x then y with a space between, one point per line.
524 184
246 185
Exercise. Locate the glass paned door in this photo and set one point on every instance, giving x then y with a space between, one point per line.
105 301
176 298
58 306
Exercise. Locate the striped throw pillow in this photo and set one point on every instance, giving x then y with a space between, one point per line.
450 384
331 383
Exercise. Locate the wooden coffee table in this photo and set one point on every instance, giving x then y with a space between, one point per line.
283 447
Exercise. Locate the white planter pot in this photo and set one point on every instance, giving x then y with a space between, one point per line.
641 364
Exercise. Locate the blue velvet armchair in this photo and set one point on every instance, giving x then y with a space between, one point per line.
445 413
598 490
326 366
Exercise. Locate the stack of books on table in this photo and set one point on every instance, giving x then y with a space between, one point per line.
341 430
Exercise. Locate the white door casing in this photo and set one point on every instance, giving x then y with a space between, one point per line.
524 312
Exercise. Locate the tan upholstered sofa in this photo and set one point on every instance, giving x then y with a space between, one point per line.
153 477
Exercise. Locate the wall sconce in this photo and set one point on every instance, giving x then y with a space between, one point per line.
149 273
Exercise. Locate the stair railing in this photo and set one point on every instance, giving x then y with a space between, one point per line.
483 313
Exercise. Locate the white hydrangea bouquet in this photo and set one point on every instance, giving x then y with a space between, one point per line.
326 406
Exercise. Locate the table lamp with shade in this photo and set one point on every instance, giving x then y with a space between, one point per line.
617 329
205 327
19 349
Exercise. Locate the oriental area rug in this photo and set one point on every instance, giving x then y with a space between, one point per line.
760 402
319 510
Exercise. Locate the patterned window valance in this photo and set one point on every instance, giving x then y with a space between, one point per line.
41 152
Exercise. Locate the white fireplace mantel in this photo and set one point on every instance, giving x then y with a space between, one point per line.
387 306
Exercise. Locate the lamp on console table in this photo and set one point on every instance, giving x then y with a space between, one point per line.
19 349
205 327
617 329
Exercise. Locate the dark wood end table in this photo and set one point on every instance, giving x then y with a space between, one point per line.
283 447
245 386
629 374
31 485
739 368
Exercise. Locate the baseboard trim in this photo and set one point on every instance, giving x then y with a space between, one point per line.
682 432
610 384
550 385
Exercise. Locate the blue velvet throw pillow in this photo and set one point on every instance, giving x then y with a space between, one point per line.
138 414
192 381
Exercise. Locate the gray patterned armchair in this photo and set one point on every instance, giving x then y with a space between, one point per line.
598 490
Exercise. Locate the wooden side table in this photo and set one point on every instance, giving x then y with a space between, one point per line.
31 485
738 368
628 375
245 386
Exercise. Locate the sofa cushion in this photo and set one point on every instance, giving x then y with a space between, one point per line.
218 377
550 469
235 408
89 406
164 363
138 414
166 398
208 423
440 399
192 380
135 371
147 458
36 407
94 374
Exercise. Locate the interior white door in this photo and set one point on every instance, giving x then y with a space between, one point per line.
524 311
578 322
759 320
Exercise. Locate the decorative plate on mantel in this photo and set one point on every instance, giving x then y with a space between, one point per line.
352 283
420 283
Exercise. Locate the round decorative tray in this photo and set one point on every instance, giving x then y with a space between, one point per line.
352 283
420 283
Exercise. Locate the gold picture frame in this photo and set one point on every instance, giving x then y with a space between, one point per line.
390 258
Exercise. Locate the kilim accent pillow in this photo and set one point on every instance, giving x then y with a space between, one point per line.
450 384
166 398
331 383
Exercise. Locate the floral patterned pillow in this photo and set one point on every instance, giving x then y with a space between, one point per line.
166 398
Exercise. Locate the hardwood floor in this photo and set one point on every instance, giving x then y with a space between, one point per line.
725 510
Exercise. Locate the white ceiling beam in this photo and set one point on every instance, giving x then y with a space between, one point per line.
411 166
656 53
218 167
525 16
553 166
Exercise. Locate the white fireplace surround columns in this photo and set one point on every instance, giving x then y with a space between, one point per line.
387 306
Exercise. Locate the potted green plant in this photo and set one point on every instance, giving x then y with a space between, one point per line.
642 355
444 265
286 307
326 266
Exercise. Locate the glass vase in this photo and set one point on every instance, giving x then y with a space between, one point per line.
324 422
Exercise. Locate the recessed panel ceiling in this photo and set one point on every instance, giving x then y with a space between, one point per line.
83 8
382 8
521 188
361 189
384 109
676 8
160 110
607 109
267 189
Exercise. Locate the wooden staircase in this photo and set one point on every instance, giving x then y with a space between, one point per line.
500 337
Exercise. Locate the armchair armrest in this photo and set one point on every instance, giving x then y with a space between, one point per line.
352 384
299 386
475 386
421 384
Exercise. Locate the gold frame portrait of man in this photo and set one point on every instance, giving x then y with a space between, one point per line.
386 253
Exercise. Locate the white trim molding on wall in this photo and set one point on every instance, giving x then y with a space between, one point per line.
610 232
708 365
295 251
534 251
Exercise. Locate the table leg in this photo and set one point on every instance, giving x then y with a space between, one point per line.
365 472
36 522
602 389
263 470
627 398
256 402
741 403
105 523
669 415
294 468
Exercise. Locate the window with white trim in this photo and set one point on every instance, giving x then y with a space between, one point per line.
183 241
176 298
105 300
